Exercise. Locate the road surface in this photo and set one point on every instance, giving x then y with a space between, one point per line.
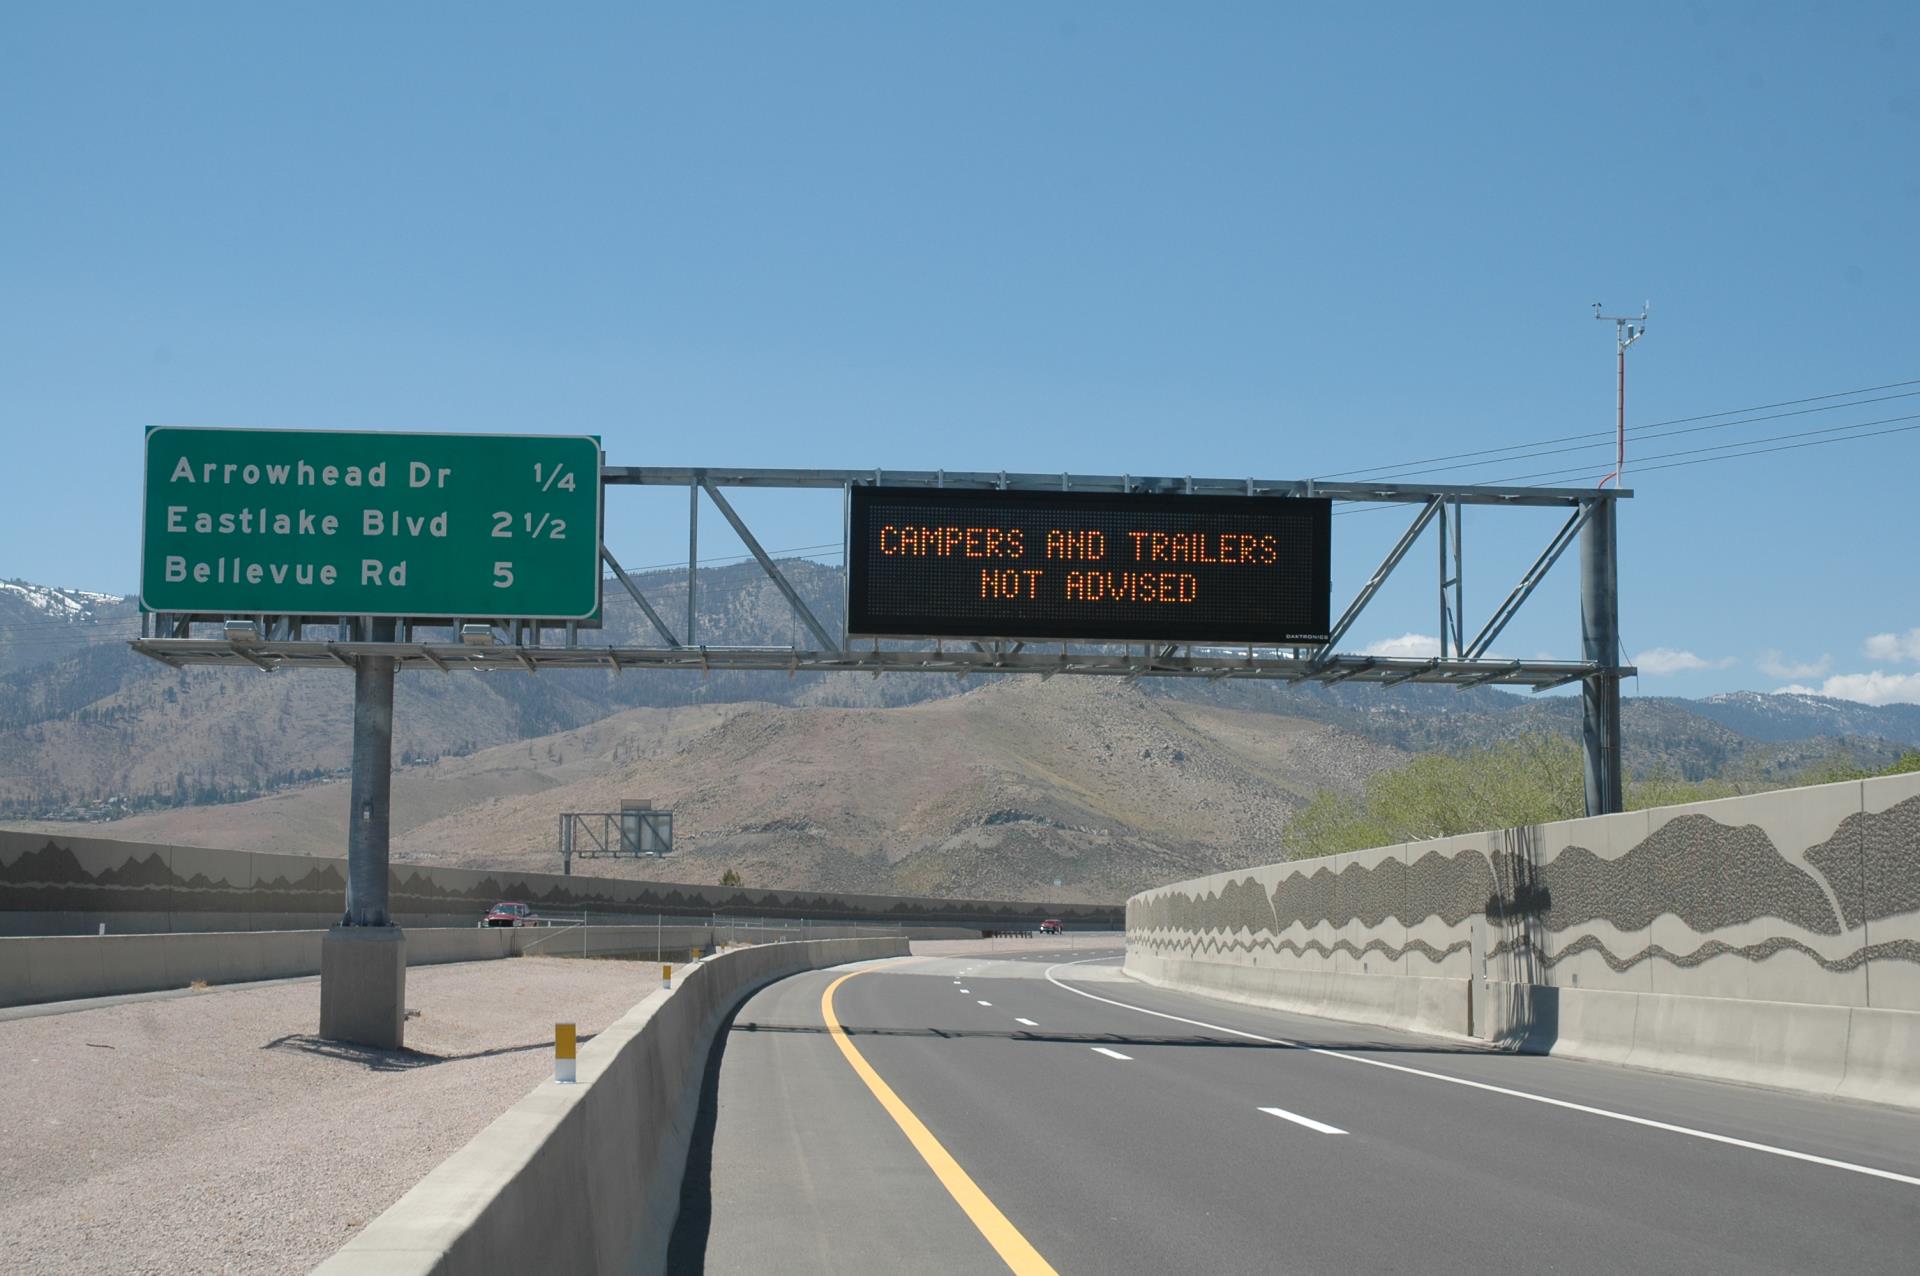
1029 1113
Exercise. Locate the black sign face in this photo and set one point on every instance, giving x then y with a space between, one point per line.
1094 567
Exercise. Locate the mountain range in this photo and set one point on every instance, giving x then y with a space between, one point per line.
1070 789
90 729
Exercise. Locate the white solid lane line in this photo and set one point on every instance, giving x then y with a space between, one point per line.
1112 1054
1309 1122
986 1003
1650 1124
1030 1023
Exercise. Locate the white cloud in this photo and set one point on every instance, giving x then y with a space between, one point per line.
1405 645
1894 646
1772 664
1873 687
1665 660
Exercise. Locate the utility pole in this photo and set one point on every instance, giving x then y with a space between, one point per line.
1600 602
1627 329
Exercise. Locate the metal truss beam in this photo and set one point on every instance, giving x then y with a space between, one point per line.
1404 493
766 565
1528 583
1190 664
1458 664
1379 577
633 591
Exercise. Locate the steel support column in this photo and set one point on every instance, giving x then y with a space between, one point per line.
1600 645
693 556
372 785
363 960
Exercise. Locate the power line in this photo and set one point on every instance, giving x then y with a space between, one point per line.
1669 434
1762 451
1788 448
1721 447
1634 430
1748 445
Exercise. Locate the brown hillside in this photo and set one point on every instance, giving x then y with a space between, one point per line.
999 792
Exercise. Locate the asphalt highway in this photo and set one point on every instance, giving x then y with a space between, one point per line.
1034 1114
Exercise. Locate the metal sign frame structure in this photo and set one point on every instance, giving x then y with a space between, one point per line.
631 833
276 642
363 967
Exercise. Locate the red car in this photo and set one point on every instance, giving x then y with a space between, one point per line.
1051 926
509 913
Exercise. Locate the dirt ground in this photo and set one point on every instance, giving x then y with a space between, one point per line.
216 1133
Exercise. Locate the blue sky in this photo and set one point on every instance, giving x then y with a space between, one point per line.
1215 239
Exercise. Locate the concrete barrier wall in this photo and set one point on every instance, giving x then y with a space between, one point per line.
39 969
1771 938
69 967
77 882
586 1177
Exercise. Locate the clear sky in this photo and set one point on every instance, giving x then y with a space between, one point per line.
1211 239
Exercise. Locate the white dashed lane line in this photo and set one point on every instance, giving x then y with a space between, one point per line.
1030 1023
1486 1087
1309 1122
1112 1054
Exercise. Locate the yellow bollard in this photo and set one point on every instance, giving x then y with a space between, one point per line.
696 955
666 976
563 1053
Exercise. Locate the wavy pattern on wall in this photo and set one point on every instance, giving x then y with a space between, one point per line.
1450 887
1892 950
1885 879
1708 874
1196 946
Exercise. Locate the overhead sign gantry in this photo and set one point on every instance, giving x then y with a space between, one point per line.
478 552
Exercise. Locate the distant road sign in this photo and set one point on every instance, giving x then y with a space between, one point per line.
359 523
1089 566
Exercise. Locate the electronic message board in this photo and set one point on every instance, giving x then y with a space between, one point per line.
1088 566
360 523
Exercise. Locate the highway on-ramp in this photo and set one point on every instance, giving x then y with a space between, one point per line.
1045 1113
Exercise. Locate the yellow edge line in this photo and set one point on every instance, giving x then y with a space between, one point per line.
1013 1248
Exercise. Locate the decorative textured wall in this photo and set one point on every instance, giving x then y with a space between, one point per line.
1803 895
47 880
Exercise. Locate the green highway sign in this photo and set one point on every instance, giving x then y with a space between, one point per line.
360 523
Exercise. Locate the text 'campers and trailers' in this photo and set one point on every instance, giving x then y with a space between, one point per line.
313 522
1094 566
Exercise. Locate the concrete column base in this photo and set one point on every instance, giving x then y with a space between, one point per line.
363 985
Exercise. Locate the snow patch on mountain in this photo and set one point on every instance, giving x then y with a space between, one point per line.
75 605
1799 715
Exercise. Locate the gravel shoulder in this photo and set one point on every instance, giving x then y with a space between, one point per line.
217 1134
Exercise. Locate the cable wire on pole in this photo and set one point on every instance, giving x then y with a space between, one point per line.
1529 447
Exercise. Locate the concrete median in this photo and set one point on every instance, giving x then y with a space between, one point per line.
586 1177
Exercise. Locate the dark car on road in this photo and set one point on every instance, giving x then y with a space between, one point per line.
510 913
